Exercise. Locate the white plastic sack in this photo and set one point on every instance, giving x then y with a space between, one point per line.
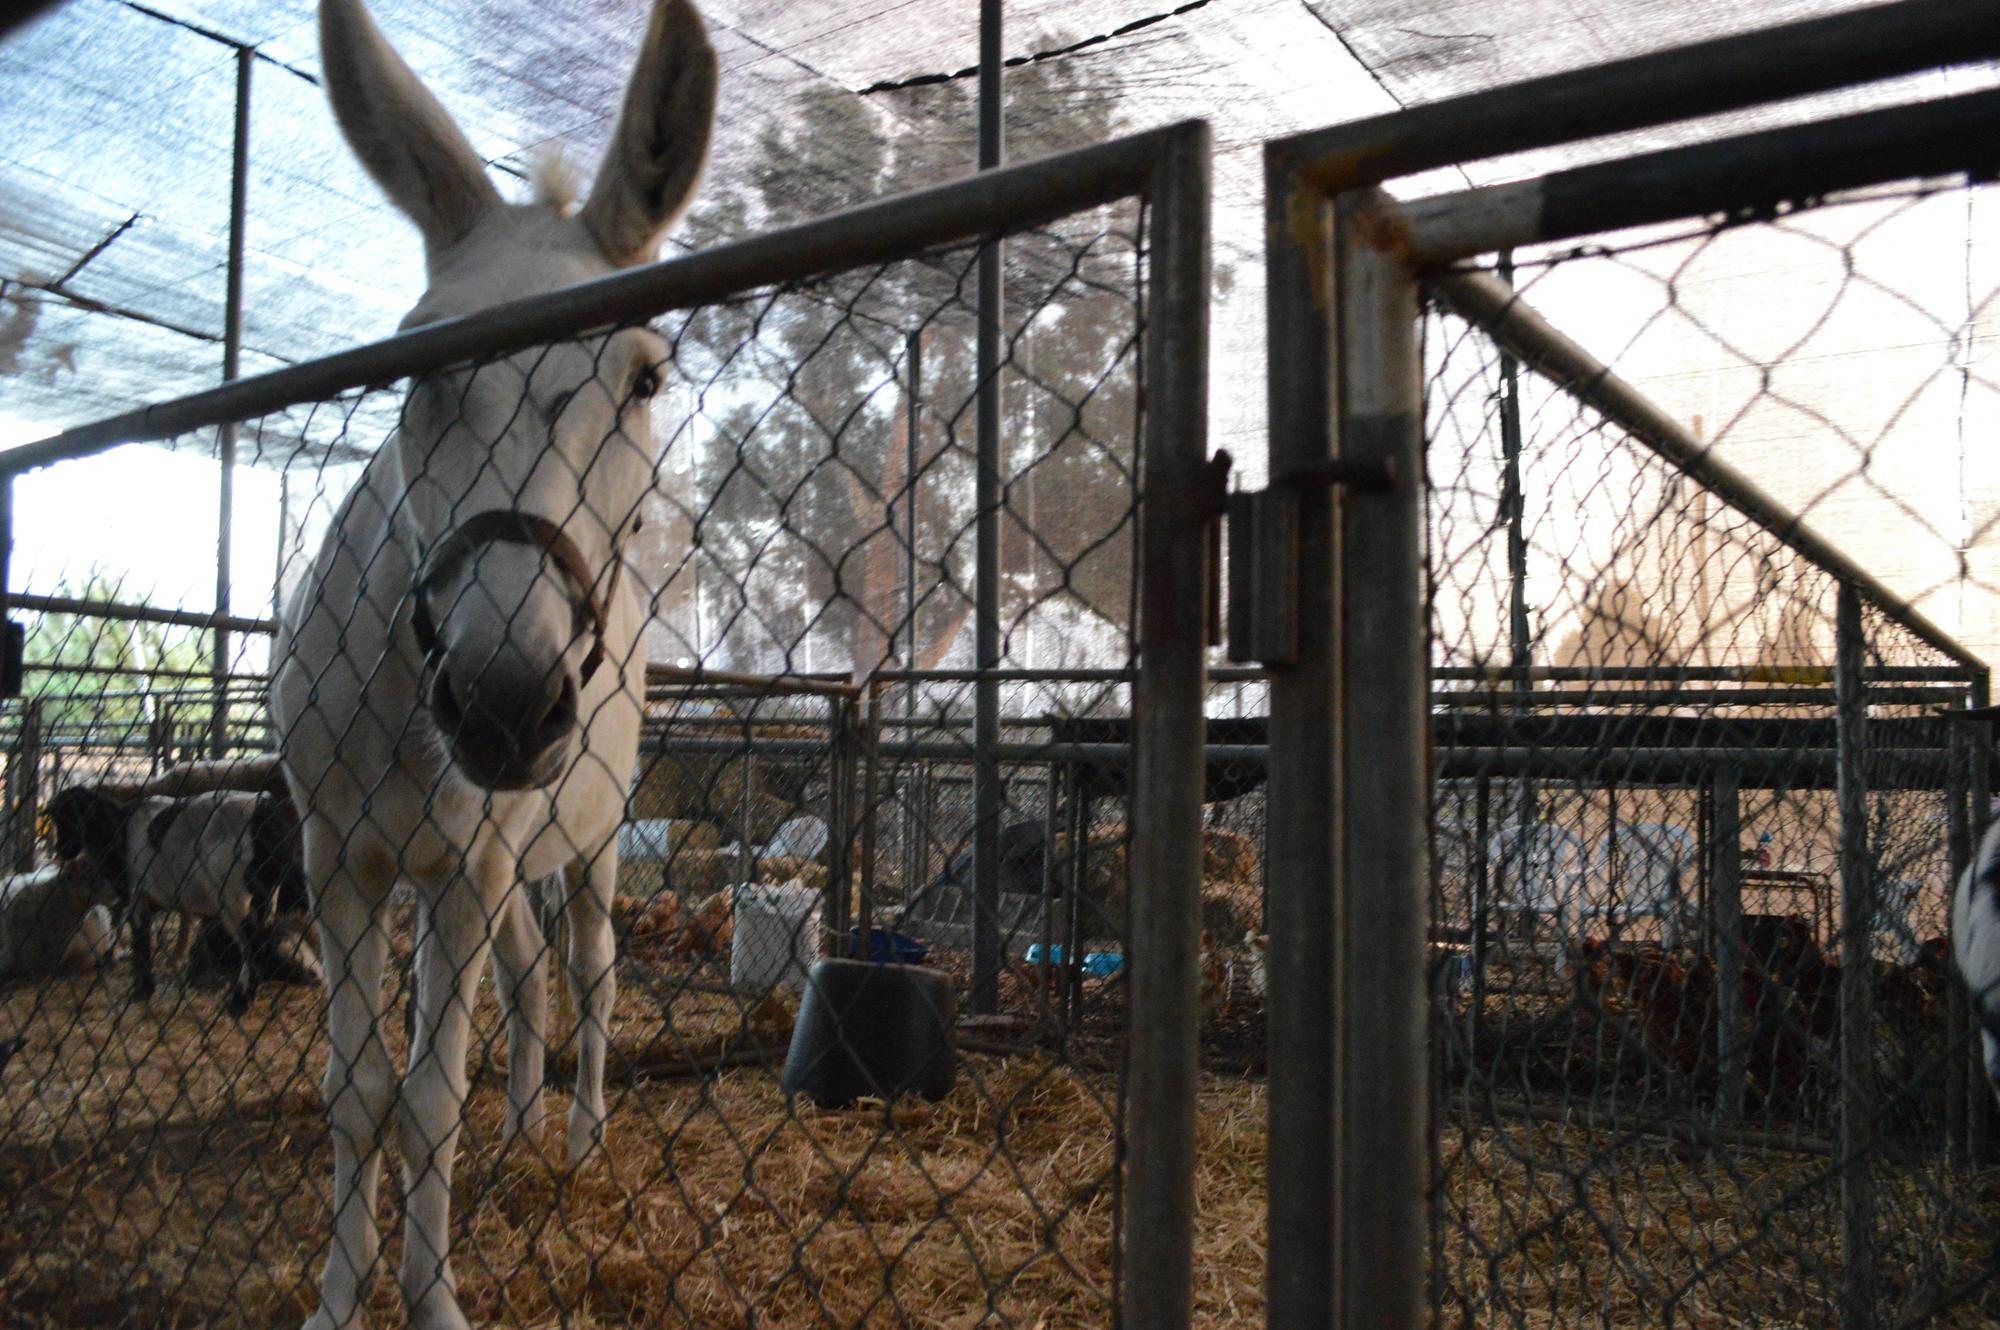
776 936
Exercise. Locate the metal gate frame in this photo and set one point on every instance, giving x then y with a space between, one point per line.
1349 786
1168 170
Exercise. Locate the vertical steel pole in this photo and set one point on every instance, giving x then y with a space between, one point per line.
871 789
913 365
913 361
6 543
840 856
1979 1101
1482 894
1726 898
1958 1016
1382 871
232 352
1857 989
1514 502
1168 736
278 560
1046 972
30 805
7 583
1302 815
1514 510
987 793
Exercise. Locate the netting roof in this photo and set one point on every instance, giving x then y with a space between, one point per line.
118 121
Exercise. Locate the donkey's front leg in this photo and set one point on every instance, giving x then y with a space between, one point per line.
593 988
451 954
521 975
360 1091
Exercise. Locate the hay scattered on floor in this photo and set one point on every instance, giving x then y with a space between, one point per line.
165 1166
170 1169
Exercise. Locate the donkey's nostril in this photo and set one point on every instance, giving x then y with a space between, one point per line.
557 720
505 728
444 703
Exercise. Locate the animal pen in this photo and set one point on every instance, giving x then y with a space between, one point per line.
1561 780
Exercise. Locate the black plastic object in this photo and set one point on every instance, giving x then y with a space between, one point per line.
872 1031
13 658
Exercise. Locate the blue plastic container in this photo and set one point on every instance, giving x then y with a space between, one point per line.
886 947
1096 964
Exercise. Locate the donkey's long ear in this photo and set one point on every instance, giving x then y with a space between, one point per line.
661 142
399 131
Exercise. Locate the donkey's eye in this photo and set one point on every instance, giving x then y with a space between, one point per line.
558 404
646 382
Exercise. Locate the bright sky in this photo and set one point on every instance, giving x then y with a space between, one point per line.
145 518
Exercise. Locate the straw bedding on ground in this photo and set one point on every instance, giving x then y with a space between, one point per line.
165 1166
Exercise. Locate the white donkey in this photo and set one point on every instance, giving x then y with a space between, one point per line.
460 677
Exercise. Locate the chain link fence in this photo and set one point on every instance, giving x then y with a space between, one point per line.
1649 795
1649 889
950 1138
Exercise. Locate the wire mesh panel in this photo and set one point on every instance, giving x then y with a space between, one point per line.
768 494
1693 1034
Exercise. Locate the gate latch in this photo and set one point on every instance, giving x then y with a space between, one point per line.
1264 556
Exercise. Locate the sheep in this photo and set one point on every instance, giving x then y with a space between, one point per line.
221 855
50 921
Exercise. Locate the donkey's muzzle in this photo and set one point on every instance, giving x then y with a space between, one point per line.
508 729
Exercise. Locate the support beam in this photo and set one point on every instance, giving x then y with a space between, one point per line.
1381 888
1726 937
225 444
1857 989
1168 732
988 791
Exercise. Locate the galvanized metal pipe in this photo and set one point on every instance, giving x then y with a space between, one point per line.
1726 937
1979 1102
232 359
1749 176
1380 892
1168 731
1962 1046
117 610
1302 819
1006 199
1857 991
1514 500
1796 675
989 794
1700 79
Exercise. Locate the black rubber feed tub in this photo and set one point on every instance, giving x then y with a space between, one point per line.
872 1031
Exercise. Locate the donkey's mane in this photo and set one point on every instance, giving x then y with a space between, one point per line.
555 181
